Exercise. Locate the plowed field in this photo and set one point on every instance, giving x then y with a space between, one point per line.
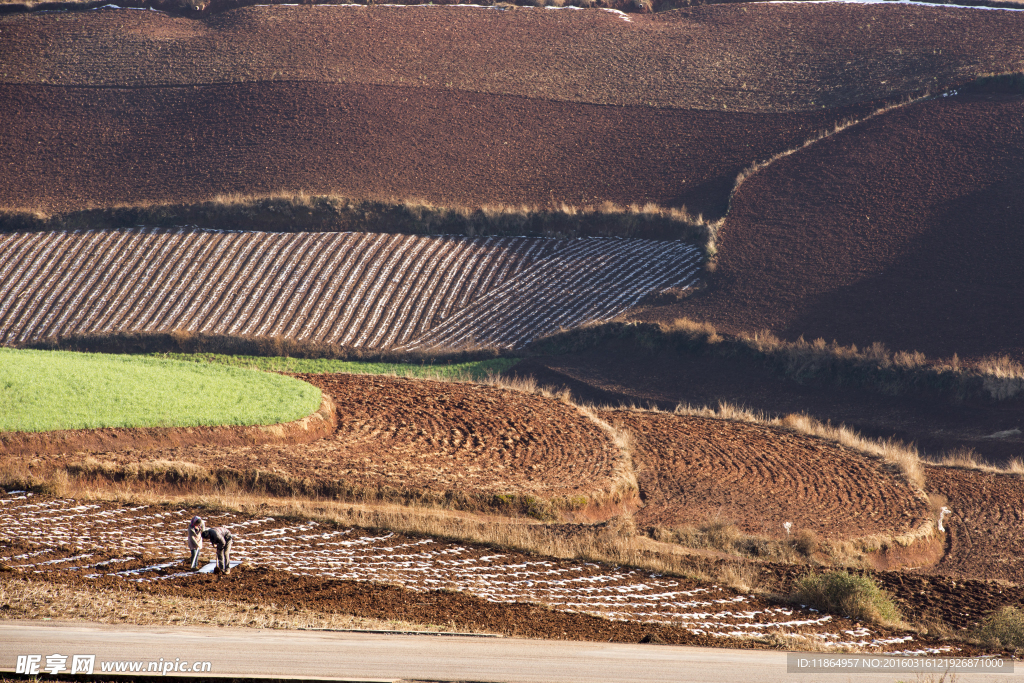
397 436
100 542
693 470
456 105
986 523
904 230
377 291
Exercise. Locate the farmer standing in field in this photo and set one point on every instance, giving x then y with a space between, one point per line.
195 539
221 538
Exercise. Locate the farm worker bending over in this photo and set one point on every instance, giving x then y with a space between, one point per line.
195 538
221 540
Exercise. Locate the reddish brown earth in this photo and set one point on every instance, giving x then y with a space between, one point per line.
72 148
617 373
554 106
986 523
314 427
692 470
906 229
400 438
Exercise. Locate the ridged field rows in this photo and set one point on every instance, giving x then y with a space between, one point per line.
692 470
98 539
440 436
356 289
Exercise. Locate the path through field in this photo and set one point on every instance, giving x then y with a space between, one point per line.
353 289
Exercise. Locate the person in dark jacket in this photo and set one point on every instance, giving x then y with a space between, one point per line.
221 539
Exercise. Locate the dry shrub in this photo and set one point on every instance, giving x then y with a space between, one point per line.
849 595
1003 376
1004 628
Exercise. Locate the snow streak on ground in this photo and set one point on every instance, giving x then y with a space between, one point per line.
354 289
82 536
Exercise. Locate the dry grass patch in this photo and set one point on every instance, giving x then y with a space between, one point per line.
849 595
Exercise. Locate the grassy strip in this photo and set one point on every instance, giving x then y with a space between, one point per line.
874 367
50 390
470 370
325 213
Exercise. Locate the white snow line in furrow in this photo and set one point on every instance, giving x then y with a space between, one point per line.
564 297
346 306
370 308
345 253
416 320
546 301
196 279
110 296
593 303
84 314
14 250
245 310
28 252
333 301
286 280
31 274
501 256
151 267
271 280
150 316
523 260
468 319
309 274
355 306
445 286
56 285
462 276
235 293
238 250
313 285
413 282
389 302
81 286
464 293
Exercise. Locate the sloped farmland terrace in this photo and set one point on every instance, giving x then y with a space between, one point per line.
360 290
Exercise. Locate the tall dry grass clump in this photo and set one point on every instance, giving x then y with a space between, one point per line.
849 595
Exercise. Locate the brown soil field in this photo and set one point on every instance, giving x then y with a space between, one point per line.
693 470
620 373
986 523
904 230
400 439
554 106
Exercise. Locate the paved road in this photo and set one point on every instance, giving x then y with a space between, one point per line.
377 656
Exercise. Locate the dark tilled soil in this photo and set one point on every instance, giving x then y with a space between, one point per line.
617 373
72 148
692 470
905 230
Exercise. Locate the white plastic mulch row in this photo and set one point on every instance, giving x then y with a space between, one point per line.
88 533
357 289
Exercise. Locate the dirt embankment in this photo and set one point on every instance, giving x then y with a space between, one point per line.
616 373
311 428
905 230
694 470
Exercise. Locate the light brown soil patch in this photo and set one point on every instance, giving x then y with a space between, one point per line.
311 428
905 230
985 526
692 470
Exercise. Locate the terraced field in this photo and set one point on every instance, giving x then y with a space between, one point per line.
693 470
361 290
98 541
